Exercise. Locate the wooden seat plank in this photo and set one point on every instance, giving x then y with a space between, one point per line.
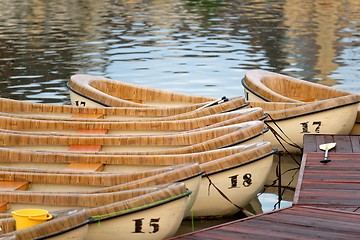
91 167
5 185
89 148
11 186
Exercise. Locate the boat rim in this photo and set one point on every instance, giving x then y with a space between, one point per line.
272 152
109 216
308 113
84 96
252 91
88 221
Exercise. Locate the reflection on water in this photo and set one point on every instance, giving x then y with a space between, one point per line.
196 47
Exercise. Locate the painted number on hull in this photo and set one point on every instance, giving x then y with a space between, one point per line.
247 181
80 103
154 223
306 127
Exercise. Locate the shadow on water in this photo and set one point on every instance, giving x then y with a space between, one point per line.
266 201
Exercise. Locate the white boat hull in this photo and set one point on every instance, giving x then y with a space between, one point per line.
75 234
80 101
156 223
251 97
240 184
333 121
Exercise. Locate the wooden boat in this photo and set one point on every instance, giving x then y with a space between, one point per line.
150 213
267 86
65 225
243 167
21 109
19 125
292 120
176 143
83 180
95 91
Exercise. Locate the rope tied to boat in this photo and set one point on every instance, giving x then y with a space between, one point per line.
279 138
246 212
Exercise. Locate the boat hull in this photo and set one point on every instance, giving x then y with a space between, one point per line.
160 222
332 121
75 234
240 184
264 86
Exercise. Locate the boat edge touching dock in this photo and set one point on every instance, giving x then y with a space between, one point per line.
320 220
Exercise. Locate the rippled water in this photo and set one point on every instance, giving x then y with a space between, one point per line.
197 47
190 46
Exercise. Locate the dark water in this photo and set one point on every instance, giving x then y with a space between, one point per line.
196 47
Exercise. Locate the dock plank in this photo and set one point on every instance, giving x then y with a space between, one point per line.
344 143
295 222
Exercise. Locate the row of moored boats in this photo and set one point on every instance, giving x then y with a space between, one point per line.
130 162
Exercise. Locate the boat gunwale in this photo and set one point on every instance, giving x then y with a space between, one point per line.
309 113
88 221
84 96
57 233
252 91
272 152
86 83
141 208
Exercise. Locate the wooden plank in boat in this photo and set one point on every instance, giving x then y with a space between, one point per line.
10 186
4 206
89 148
91 167
5 185
88 115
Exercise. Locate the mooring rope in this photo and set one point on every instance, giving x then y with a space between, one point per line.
278 137
246 212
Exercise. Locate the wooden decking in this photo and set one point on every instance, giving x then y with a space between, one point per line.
335 184
326 203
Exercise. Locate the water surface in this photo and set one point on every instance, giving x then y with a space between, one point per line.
195 47
188 46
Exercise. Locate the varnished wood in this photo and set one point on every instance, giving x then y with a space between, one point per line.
89 167
296 222
10 186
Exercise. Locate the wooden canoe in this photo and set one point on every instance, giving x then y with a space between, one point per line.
95 91
250 163
260 85
150 213
65 225
176 143
292 120
120 128
21 109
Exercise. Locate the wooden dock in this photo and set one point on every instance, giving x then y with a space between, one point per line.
326 203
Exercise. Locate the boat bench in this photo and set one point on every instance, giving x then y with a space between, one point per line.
11 186
89 167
